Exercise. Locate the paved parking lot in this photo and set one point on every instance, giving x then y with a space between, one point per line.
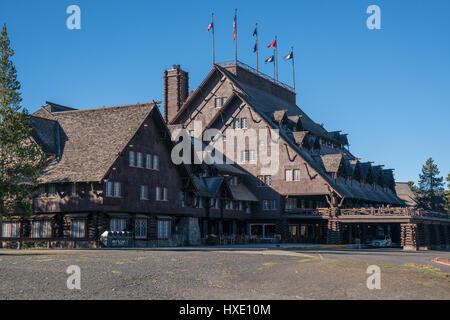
221 273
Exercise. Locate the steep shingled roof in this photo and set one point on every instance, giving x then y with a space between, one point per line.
265 103
94 139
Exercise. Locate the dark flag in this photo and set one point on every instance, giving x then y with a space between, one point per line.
270 59
234 28
289 56
255 48
255 33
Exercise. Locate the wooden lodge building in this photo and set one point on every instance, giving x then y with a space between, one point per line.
110 169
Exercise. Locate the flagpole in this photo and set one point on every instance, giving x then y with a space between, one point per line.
213 27
274 64
235 42
276 57
293 68
257 48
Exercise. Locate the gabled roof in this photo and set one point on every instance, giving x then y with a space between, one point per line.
300 137
94 139
279 115
207 187
332 162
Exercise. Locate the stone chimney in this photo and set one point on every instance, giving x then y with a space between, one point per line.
176 91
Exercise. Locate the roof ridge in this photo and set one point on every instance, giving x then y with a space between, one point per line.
108 108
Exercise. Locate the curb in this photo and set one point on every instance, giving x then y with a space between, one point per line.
437 260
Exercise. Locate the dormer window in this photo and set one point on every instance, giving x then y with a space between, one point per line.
219 102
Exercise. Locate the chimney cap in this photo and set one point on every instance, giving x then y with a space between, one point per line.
175 66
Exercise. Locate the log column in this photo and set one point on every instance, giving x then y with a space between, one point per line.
437 236
423 240
409 236
334 232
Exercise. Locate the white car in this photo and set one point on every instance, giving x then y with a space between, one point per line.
386 242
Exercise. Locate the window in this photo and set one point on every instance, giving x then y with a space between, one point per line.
268 180
244 155
116 189
78 228
109 187
244 123
234 181
158 194
73 191
237 123
270 205
252 155
291 203
163 229
218 102
247 208
41 229
288 175
241 206
214 203
139 160
274 204
131 158
148 161
191 133
183 197
140 228
224 99
155 162
296 174
51 190
164 194
118 224
42 190
260 182
11 230
144 193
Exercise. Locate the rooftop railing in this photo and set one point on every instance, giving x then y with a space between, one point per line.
256 72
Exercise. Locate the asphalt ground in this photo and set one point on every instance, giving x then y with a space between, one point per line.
220 273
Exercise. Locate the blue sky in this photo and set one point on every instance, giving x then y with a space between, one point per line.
389 88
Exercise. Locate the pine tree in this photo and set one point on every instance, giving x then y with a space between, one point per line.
20 157
431 190
447 195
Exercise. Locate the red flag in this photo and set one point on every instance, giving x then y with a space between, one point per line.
210 26
273 44
234 28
